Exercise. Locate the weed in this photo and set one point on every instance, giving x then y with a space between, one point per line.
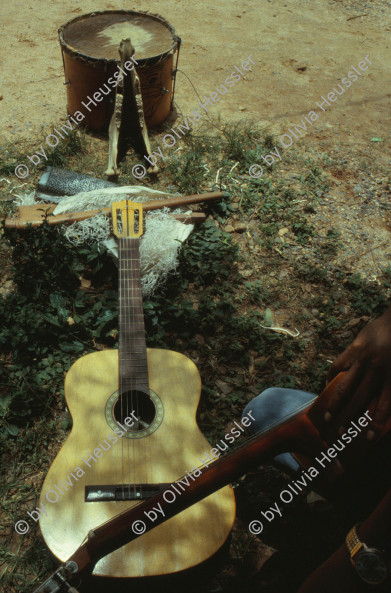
238 139
269 141
187 171
302 229
49 321
366 298
257 292
73 144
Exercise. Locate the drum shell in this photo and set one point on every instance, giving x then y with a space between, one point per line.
85 75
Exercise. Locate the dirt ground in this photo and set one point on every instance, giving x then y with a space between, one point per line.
301 50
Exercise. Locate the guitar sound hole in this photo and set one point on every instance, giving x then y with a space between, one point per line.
140 405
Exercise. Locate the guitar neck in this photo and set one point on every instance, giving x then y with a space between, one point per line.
297 433
133 367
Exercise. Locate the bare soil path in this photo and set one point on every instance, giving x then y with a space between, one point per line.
301 50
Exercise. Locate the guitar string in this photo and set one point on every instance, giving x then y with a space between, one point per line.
140 347
124 355
140 328
134 366
127 339
132 344
134 391
136 337
129 259
121 350
128 343
128 308
120 342
143 444
129 317
126 326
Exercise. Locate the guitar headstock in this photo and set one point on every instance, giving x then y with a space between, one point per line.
127 219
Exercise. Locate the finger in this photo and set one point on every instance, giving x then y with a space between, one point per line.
382 411
344 390
368 389
342 363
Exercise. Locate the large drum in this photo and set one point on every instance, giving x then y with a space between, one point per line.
89 46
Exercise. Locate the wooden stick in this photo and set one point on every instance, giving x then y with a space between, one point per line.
358 16
34 215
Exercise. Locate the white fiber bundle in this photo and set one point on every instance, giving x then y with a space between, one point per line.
159 245
26 199
94 229
159 248
102 198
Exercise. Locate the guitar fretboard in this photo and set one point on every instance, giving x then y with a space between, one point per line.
133 367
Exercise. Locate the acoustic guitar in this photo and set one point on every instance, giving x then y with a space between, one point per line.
303 431
134 432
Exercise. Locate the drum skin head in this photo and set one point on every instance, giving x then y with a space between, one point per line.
99 35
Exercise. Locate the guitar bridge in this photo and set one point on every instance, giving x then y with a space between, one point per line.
121 492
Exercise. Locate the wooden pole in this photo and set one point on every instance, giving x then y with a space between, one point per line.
35 215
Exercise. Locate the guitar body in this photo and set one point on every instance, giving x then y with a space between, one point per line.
174 446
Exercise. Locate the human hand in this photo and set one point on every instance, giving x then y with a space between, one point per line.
368 364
